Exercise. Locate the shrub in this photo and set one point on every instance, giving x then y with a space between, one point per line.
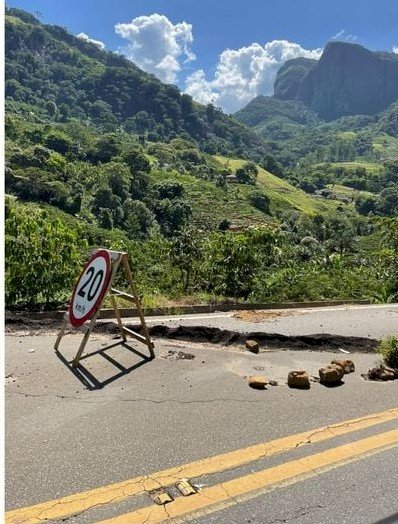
388 349
260 201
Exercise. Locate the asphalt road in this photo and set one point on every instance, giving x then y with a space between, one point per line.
123 416
373 321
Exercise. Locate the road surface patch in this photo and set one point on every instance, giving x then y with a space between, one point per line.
235 491
117 492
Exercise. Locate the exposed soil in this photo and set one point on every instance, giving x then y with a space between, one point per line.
211 335
266 340
265 316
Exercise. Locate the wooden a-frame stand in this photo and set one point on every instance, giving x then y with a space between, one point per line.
117 259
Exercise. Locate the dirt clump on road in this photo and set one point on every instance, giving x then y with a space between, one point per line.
178 355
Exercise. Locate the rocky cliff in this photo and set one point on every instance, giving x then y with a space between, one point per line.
347 80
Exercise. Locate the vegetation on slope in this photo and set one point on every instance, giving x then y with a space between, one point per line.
100 153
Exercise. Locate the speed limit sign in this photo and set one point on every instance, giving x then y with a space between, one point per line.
88 295
90 288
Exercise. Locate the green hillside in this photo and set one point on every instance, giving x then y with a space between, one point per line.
52 75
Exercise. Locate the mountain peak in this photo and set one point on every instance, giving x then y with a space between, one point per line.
290 77
348 79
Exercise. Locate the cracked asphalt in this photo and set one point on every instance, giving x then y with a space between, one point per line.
368 321
122 416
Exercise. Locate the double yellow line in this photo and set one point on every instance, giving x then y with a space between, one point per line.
228 493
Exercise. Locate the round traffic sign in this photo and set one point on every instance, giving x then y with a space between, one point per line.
90 287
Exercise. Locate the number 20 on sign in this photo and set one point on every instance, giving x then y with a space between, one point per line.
90 288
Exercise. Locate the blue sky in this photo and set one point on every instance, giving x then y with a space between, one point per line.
262 34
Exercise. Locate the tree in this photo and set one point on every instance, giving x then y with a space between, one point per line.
224 225
104 199
64 111
232 261
247 174
340 234
186 253
105 149
137 161
139 185
387 202
365 205
43 257
105 218
170 189
58 142
172 215
273 166
139 123
210 113
119 179
51 107
138 219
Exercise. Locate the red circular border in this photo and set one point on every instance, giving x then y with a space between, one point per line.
76 322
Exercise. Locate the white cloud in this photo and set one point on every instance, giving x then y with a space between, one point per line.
200 89
241 74
157 45
344 35
395 49
86 38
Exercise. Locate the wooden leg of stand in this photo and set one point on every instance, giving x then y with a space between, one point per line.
83 343
138 305
60 335
118 317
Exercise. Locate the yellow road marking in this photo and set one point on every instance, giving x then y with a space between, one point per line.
117 492
234 491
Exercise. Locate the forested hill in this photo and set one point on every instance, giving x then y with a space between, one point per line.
64 77
341 108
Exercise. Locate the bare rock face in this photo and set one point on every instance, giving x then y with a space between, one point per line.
347 365
347 80
298 379
331 374
290 77
257 382
253 346
350 80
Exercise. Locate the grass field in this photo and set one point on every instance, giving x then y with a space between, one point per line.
371 167
283 195
349 192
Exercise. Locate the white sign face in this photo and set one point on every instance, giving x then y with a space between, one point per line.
90 288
